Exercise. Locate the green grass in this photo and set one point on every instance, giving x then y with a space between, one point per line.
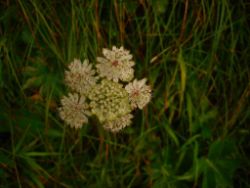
194 132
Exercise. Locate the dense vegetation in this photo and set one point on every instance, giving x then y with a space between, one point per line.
194 132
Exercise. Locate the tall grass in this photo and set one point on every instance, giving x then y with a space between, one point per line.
195 131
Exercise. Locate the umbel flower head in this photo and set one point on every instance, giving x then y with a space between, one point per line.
74 110
139 93
109 100
100 91
80 76
119 123
116 64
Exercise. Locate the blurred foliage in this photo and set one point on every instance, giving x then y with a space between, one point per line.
194 133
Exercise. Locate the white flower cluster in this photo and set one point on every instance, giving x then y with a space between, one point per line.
106 92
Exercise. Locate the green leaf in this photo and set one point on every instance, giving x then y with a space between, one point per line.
220 149
221 164
40 154
183 77
32 82
172 135
208 179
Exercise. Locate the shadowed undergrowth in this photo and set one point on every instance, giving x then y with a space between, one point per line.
194 132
